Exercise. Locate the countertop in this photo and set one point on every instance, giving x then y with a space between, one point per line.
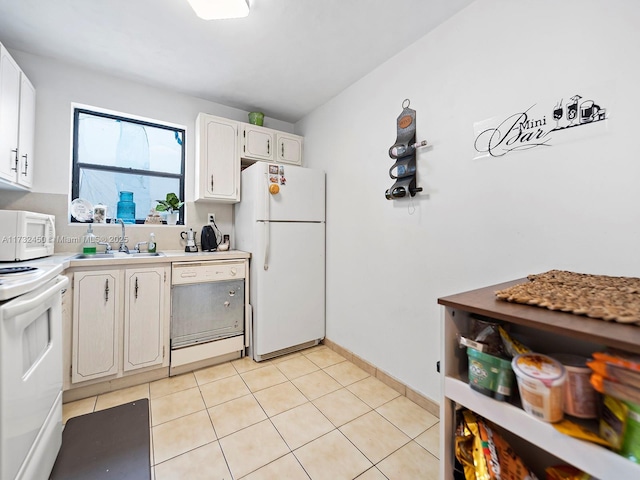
67 260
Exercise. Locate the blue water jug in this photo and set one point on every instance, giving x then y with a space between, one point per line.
126 208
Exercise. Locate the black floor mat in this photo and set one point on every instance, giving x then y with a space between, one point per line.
109 444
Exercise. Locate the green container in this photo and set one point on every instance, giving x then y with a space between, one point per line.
489 375
256 118
631 440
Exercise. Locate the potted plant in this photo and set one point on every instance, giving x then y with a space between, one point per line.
171 205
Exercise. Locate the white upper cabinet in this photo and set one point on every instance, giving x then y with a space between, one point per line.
9 115
222 145
26 132
257 143
288 148
267 145
218 159
17 124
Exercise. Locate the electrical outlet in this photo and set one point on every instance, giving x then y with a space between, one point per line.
212 218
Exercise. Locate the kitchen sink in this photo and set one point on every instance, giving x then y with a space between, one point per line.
116 255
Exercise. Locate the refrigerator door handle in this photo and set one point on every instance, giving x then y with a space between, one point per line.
267 216
266 245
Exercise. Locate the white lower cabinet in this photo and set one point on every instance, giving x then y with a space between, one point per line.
120 321
538 443
144 312
96 308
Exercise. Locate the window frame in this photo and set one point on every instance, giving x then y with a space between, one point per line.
76 166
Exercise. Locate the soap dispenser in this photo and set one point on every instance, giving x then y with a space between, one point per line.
152 243
90 242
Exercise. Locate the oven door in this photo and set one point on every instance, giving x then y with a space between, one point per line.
31 381
201 312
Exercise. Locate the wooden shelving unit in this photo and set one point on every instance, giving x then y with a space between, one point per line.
548 332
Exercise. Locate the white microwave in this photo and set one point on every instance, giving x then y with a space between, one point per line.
26 235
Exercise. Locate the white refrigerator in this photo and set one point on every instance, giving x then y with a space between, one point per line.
281 222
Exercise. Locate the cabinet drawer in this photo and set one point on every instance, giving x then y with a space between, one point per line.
199 272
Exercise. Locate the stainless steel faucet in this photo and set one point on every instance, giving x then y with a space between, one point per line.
136 249
107 246
123 246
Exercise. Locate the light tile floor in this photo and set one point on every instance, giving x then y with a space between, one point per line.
308 415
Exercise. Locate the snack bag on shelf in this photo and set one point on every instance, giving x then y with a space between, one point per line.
566 472
485 453
612 421
502 461
511 346
468 448
615 389
464 342
619 358
486 331
615 372
575 430
620 423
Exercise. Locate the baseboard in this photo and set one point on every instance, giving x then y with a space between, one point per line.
85 391
416 397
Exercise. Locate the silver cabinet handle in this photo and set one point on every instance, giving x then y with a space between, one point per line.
226 304
268 146
15 168
136 289
211 182
282 147
106 290
26 164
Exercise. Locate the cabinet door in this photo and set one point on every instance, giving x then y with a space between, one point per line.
289 148
218 172
257 143
26 132
9 108
144 317
96 309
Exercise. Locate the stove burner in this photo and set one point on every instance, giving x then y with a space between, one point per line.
14 270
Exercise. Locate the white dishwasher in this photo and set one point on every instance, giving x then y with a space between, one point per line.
207 311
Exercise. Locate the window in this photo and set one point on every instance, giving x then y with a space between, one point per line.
113 153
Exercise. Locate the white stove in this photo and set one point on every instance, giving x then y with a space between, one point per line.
30 368
16 280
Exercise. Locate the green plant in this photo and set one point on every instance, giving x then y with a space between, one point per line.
170 204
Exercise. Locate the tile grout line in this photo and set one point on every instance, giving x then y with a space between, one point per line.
270 418
335 428
292 451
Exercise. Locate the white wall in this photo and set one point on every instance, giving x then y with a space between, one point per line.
58 85
573 206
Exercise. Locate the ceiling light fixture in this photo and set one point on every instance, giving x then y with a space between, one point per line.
219 9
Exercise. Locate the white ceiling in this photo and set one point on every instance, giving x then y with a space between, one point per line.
286 58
